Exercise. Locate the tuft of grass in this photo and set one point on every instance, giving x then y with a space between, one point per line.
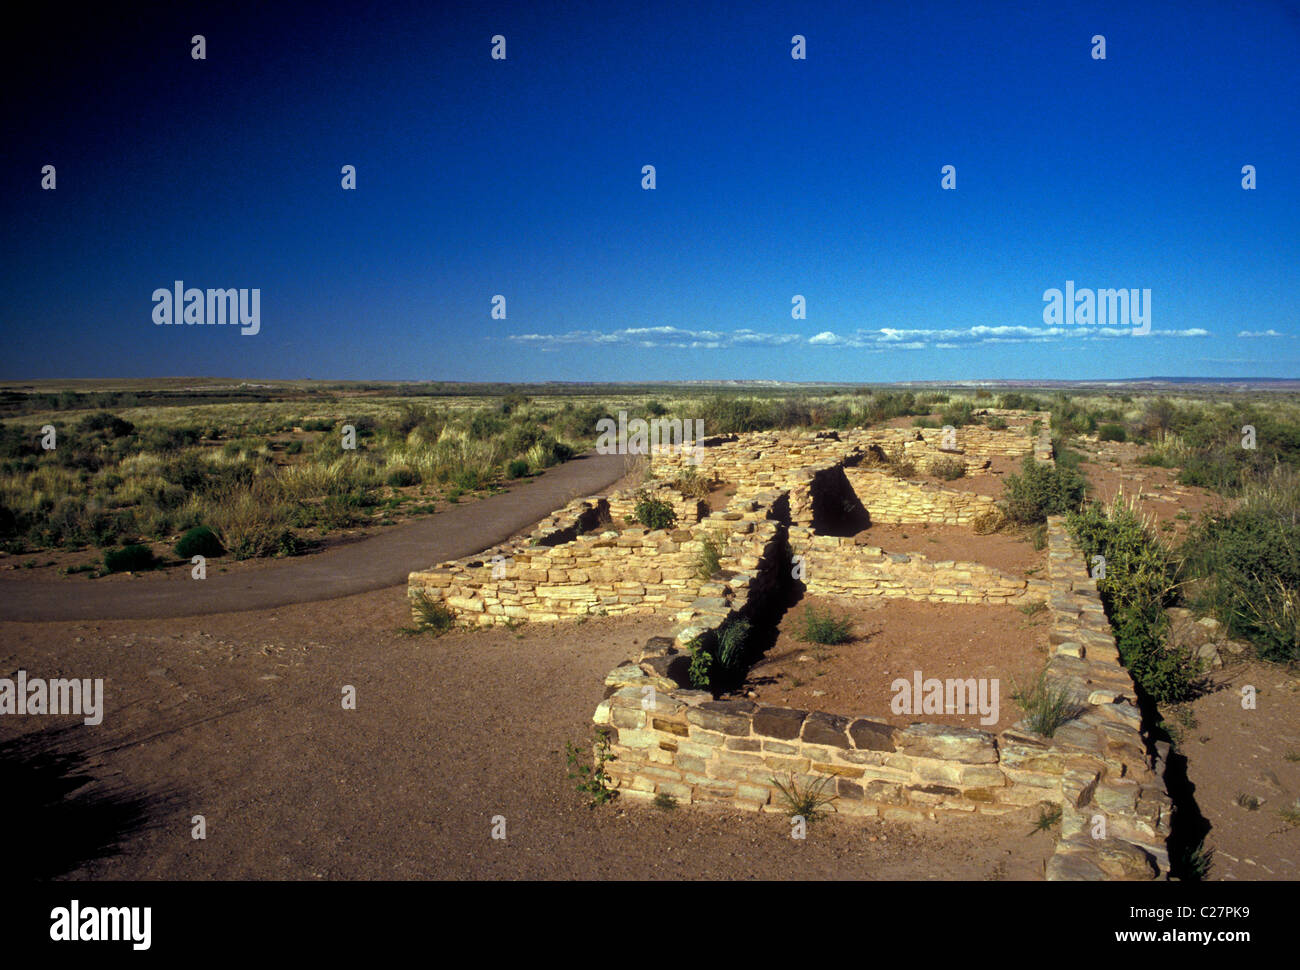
1248 802
431 615
1046 705
1047 817
810 802
1034 608
665 801
823 627
1290 814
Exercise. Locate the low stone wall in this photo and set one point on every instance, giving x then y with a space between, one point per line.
897 501
680 742
837 567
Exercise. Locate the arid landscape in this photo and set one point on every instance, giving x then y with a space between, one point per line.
815 546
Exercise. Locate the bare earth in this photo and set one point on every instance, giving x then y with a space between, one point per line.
893 638
238 717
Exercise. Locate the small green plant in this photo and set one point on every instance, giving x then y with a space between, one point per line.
1292 756
701 668
708 561
1290 814
432 615
1047 817
1041 490
900 464
199 541
1112 432
665 801
1193 863
133 559
1047 706
1034 608
517 468
822 627
653 513
593 780
1248 802
810 802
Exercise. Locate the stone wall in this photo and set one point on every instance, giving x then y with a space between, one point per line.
836 567
891 499
1096 768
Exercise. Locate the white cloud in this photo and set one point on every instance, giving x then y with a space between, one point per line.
879 340
1262 333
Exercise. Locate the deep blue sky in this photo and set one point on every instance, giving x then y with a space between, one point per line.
775 176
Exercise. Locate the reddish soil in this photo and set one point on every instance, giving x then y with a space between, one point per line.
891 639
1236 753
1006 551
238 717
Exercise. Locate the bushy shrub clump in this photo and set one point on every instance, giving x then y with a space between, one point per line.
1137 584
1248 566
1041 490
199 541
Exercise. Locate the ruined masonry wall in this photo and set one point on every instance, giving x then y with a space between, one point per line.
683 743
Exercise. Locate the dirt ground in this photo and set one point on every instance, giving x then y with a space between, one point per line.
1236 755
891 639
238 717
1007 551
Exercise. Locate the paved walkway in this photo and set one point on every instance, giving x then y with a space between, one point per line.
374 563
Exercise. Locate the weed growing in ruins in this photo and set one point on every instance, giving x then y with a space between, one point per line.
665 801
691 484
899 462
1292 756
592 779
1193 863
432 615
822 627
948 469
1047 706
988 520
701 668
1290 814
810 802
1249 802
1034 608
653 513
709 560
1047 817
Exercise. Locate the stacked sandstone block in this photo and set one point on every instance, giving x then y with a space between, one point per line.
674 741
613 573
1108 772
835 566
893 500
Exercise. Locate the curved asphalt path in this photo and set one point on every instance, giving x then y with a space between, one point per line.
375 563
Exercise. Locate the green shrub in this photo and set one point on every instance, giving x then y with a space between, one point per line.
823 627
401 477
1041 490
199 541
701 668
653 513
517 468
133 559
1248 566
1112 432
1140 576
